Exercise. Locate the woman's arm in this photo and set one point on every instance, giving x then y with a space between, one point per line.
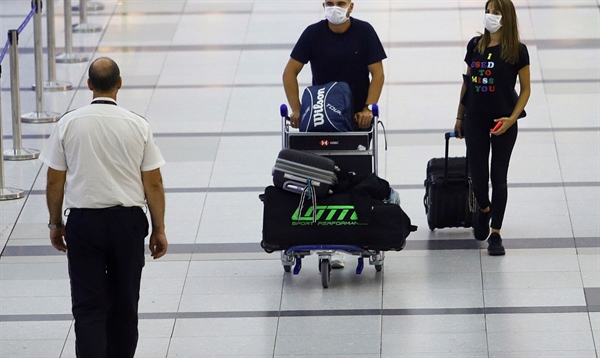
460 112
524 93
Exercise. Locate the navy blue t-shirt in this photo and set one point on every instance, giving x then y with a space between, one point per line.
492 81
341 57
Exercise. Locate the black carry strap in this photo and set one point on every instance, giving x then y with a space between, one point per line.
308 191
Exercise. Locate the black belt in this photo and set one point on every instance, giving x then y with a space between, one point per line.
111 208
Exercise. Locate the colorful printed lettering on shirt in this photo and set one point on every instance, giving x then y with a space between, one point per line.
481 75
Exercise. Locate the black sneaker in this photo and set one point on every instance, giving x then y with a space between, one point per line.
495 247
481 226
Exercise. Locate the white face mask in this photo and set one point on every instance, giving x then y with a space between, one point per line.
492 22
336 15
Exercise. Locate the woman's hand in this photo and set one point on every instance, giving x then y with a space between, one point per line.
458 128
506 124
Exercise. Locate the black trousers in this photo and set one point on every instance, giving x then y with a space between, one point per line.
106 257
479 141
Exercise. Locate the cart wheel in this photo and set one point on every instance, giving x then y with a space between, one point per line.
378 268
287 268
325 272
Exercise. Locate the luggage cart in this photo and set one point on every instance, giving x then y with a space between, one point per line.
352 152
293 256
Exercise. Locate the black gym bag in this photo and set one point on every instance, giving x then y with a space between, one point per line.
334 221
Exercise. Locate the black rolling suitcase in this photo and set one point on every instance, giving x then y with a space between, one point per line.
448 200
294 170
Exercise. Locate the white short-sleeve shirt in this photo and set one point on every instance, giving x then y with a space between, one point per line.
104 149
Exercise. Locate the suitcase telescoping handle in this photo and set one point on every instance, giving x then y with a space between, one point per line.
447 136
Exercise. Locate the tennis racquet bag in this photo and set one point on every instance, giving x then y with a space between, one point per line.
326 108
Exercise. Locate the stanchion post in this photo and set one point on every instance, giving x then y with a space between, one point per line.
91 6
52 84
83 26
69 56
39 116
5 193
17 153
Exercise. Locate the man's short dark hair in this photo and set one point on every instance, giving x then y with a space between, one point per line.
104 75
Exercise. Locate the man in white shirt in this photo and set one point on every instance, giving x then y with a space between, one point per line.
103 161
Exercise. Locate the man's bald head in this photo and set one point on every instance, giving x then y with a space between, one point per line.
104 76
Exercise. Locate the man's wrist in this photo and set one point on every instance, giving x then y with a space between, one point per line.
58 225
158 229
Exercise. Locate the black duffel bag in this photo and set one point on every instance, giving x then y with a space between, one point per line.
334 221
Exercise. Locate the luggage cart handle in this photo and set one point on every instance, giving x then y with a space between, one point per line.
285 119
375 147
375 110
283 110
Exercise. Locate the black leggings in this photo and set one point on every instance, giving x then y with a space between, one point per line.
479 140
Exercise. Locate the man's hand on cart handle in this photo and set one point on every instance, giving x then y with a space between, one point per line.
295 119
364 118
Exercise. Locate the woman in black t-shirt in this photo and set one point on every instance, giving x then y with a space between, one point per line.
488 112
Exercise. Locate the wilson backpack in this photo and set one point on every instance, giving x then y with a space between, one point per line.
326 108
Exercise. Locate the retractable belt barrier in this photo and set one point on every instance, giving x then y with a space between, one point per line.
40 115
52 84
12 45
7 193
69 56
83 26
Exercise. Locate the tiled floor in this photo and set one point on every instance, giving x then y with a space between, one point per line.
207 76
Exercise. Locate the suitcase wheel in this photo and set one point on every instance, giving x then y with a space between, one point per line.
268 251
431 226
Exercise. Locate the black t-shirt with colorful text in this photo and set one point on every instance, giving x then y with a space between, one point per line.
341 57
492 81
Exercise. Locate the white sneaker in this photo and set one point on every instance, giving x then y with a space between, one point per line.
394 197
337 260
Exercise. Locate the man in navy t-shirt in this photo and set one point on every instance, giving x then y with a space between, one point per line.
341 49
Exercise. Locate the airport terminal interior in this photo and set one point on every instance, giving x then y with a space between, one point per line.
207 75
